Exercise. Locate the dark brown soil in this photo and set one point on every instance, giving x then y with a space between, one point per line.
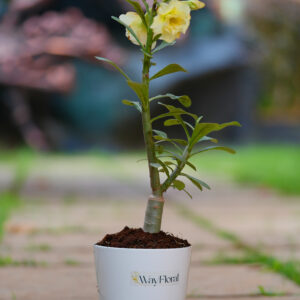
137 238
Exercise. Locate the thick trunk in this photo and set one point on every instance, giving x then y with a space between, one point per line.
153 215
155 204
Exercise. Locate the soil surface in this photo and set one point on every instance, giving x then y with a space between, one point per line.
137 238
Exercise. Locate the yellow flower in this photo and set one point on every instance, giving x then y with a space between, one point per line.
133 20
195 4
172 20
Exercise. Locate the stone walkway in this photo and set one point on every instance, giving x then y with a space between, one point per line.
65 212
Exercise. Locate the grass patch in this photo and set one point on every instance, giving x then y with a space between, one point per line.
8 201
10 262
252 255
262 292
266 293
272 166
71 262
289 269
39 248
21 160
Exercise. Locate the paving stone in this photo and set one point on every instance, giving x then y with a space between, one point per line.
55 225
264 219
88 177
79 215
48 283
235 280
226 297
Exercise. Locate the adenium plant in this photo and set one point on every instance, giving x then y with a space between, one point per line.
153 28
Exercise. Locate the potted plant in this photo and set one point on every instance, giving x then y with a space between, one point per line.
144 264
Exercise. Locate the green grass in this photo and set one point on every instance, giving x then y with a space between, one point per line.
21 160
71 262
7 261
261 292
8 201
252 255
266 293
290 269
38 248
271 166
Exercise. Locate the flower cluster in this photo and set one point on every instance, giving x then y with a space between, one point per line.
172 18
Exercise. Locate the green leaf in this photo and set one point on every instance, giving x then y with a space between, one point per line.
174 109
184 100
159 149
114 65
172 68
156 38
155 165
173 112
175 155
227 149
146 5
170 163
163 45
163 139
139 10
130 30
137 105
199 119
202 129
160 133
179 185
166 115
139 89
172 122
208 139
189 125
191 166
180 141
188 193
197 182
164 166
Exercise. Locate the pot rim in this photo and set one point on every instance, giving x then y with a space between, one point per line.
141 249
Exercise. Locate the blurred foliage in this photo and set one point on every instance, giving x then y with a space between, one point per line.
271 166
275 25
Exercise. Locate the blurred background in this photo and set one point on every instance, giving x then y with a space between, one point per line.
65 137
243 59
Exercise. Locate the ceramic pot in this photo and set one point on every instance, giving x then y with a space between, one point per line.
142 274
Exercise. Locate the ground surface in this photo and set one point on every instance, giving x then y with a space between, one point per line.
69 207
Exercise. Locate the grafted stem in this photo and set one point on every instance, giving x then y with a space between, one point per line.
155 204
153 215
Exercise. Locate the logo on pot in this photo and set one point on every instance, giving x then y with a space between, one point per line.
154 280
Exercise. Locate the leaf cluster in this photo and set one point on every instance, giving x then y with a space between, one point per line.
173 162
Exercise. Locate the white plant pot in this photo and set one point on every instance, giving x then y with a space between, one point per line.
142 274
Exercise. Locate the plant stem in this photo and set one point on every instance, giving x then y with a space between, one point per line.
155 204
